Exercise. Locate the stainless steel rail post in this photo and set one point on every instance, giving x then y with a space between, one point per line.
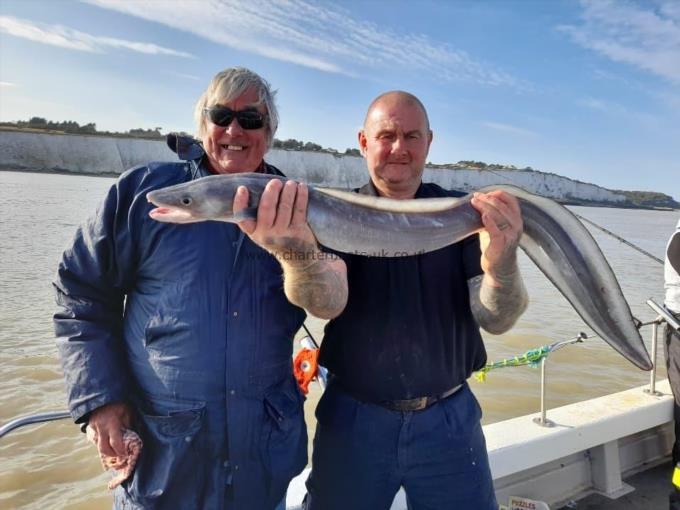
667 317
542 420
652 373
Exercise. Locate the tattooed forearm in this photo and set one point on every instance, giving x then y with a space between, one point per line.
312 279
498 302
319 286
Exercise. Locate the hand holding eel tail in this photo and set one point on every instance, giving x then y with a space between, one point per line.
554 239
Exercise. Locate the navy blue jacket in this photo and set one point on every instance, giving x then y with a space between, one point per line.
188 324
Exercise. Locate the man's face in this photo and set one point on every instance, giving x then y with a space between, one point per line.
233 149
395 141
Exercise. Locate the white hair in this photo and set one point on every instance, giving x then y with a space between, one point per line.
230 84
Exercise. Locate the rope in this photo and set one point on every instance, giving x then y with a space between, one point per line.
532 357
309 334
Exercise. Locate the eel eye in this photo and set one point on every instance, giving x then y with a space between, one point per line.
186 200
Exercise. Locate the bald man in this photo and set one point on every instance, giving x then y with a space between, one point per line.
397 411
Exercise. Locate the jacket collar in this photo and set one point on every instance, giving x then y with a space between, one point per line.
191 150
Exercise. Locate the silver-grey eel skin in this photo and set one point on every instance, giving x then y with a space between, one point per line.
554 239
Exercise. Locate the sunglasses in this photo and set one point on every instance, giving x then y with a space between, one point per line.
247 119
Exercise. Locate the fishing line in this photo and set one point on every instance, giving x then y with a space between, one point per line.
309 334
609 232
619 238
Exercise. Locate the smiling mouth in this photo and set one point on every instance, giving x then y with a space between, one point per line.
233 147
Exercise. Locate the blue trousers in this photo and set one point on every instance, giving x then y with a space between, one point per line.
363 454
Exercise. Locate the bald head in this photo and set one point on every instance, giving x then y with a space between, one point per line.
395 141
395 97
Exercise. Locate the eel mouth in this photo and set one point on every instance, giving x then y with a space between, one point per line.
171 215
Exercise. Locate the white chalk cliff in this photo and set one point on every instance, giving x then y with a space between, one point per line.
20 150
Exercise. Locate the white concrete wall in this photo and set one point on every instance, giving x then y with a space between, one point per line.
102 155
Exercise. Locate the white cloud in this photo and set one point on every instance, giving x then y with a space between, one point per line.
613 109
592 103
635 34
184 75
671 8
321 36
608 107
671 99
508 128
64 37
7 84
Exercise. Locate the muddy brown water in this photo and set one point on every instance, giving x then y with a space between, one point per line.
52 466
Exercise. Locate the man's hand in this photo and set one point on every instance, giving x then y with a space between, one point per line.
498 298
312 279
503 228
281 227
109 423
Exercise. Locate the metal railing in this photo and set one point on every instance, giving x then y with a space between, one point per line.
307 342
664 316
542 420
33 418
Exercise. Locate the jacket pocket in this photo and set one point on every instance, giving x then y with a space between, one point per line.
284 436
170 466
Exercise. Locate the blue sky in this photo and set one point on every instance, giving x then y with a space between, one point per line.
589 89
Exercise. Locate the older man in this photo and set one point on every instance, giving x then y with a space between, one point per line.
183 332
397 411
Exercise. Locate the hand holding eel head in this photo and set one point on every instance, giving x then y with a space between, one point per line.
281 224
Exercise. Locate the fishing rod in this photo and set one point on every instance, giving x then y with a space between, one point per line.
609 232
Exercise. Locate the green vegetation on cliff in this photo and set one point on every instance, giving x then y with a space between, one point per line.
71 127
477 165
649 199
297 145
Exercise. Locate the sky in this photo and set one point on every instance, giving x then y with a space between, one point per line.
587 89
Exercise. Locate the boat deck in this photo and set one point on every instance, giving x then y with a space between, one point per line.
651 493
